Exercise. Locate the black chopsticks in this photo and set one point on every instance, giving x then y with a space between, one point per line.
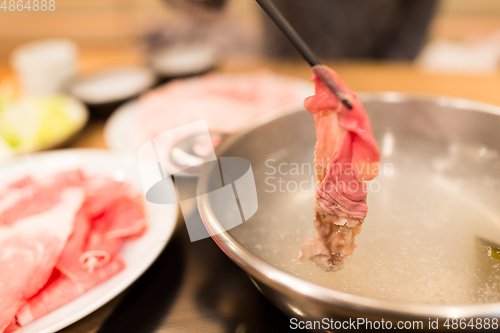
285 27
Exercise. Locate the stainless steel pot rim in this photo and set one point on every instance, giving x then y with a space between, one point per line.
289 284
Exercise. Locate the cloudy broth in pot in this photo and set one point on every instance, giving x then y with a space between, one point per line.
433 214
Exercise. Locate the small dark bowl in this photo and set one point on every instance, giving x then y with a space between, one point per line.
128 83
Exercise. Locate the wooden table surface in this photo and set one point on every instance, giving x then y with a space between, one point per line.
360 76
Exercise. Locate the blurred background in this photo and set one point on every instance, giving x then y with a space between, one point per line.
128 25
110 52
375 45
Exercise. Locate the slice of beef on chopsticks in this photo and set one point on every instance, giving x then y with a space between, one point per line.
346 156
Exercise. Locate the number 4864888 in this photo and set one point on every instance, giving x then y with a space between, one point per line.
30 5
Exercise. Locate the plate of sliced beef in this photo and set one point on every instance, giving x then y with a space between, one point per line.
75 231
226 102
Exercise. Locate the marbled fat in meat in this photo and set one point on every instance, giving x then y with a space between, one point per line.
59 237
29 249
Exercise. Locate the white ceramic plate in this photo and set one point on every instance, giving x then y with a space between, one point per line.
121 132
138 254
